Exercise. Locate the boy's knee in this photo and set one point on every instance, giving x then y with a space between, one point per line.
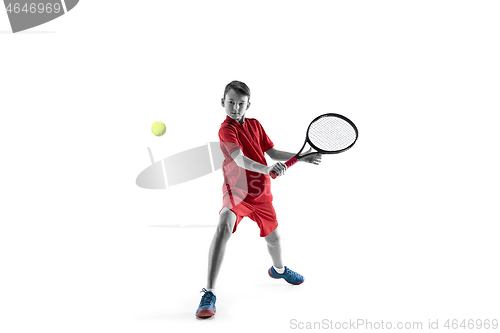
226 222
224 228
273 239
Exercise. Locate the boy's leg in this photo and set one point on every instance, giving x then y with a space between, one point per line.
278 271
274 247
218 246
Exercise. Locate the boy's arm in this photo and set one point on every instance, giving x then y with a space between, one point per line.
280 155
250 165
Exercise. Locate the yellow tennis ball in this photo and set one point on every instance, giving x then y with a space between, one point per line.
158 128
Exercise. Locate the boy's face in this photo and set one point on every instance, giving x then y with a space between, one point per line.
235 105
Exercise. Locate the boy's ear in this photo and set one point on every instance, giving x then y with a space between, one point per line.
248 105
222 102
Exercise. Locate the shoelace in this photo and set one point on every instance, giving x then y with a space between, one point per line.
207 298
293 274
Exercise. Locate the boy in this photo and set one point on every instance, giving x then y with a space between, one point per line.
246 189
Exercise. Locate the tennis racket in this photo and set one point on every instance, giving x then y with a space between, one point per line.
329 133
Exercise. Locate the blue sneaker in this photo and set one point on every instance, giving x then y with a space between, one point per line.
207 305
289 275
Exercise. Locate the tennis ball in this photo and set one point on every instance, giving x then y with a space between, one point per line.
158 128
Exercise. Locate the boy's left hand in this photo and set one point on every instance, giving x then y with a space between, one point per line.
313 158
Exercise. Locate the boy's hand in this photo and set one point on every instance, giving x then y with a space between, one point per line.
314 158
279 168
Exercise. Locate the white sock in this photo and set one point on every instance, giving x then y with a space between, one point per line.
279 270
212 290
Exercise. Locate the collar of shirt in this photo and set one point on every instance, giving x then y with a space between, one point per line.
235 122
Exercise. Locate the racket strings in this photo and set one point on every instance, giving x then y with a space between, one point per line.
331 133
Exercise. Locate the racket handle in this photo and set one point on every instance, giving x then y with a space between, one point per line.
288 164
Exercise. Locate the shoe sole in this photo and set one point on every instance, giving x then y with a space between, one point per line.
205 313
271 275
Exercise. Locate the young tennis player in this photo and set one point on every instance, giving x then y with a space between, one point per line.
246 189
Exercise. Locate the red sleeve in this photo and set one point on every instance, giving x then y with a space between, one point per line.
265 142
228 140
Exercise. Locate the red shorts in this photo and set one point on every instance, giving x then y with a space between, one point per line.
262 213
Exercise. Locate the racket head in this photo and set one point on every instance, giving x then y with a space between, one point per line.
331 133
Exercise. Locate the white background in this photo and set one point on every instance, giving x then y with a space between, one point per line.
403 227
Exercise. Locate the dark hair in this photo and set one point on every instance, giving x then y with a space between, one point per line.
240 87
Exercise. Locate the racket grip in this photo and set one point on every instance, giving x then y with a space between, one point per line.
288 164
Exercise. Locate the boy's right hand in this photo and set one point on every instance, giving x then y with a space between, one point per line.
279 168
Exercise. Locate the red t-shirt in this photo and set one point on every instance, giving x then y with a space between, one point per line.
253 141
